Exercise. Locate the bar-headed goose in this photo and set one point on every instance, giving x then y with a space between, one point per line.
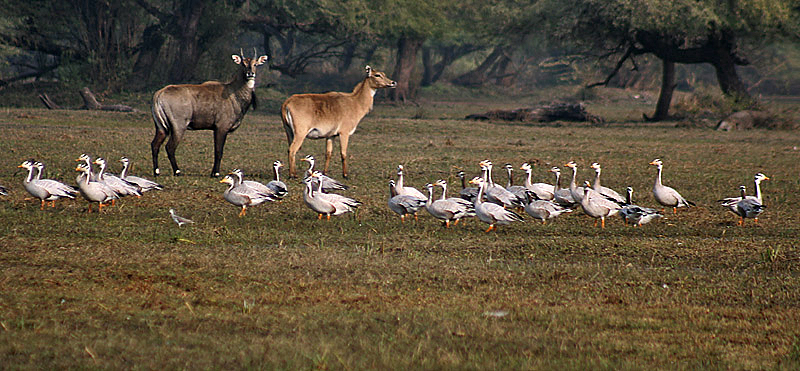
326 203
635 214
278 187
543 210
94 191
747 207
731 201
403 205
241 195
597 206
122 187
667 196
328 184
491 213
143 184
252 184
518 191
467 193
444 209
402 189
543 191
562 196
574 190
495 193
44 189
605 191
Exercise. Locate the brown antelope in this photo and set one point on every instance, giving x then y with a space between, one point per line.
211 105
329 115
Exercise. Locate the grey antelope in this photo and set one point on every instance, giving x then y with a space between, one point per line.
329 115
211 105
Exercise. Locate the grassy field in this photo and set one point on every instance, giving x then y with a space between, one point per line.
279 289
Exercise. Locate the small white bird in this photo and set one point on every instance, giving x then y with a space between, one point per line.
179 219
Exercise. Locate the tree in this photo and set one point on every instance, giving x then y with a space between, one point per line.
408 24
94 35
675 31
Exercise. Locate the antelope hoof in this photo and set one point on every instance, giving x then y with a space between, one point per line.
178 173
156 172
345 176
215 175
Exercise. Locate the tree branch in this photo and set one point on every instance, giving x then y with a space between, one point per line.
626 56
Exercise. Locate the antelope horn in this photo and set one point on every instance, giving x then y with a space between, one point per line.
241 52
255 53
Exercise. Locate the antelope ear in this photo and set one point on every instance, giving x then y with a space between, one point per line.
236 59
369 70
261 60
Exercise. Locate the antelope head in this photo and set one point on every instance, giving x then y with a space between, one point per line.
248 67
377 80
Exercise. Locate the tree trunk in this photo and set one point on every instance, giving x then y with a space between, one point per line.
407 48
147 59
667 88
729 80
478 75
346 59
188 41
427 67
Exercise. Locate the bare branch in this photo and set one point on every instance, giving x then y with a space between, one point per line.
613 73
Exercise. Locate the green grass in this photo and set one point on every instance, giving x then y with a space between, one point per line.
279 289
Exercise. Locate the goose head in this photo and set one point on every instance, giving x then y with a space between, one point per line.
85 158
759 177
124 160
596 167
100 162
657 162
228 179
477 181
82 168
571 164
743 191
525 167
555 170
277 164
460 174
27 164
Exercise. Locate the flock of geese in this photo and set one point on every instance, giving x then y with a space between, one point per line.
490 202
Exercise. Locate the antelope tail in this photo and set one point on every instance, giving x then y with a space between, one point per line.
160 117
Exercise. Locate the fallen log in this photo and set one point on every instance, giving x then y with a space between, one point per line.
548 113
89 103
